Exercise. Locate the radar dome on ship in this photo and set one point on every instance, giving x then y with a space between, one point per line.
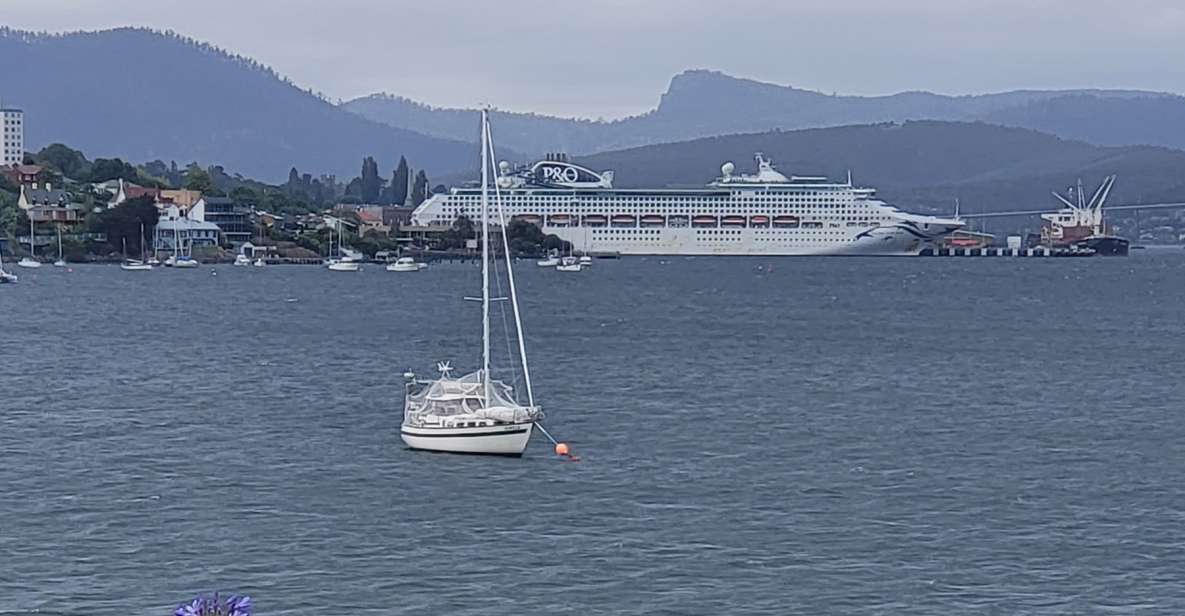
504 167
727 168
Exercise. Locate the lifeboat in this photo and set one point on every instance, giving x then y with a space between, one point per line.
788 222
653 220
677 220
704 221
595 220
733 221
624 219
531 218
759 221
559 220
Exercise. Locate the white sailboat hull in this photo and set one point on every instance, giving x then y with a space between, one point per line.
343 266
28 263
503 439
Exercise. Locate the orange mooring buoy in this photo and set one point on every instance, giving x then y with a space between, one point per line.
561 449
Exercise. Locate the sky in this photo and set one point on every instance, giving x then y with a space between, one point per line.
612 58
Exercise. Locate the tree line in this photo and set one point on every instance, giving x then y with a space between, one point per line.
368 187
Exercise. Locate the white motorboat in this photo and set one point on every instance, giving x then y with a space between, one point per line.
475 413
569 264
405 264
551 260
586 260
241 260
259 262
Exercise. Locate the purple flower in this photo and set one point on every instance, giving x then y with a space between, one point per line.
234 605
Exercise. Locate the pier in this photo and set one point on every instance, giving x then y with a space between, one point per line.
1037 252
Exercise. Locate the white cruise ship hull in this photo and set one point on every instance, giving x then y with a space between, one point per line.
743 242
503 439
764 214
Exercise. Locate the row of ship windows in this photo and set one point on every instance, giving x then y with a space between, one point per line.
574 221
810 224
545 204
805 238
769 194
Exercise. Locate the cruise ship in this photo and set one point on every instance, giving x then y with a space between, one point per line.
765 213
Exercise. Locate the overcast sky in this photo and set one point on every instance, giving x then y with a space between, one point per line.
608 58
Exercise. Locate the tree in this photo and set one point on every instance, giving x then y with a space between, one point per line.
124 223
419 190
399 181
198 179
293 181
461 230
104 169
371 184
67 161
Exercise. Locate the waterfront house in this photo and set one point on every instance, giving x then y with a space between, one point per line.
371 219
33 195
190 232
128 190
23 174
232 219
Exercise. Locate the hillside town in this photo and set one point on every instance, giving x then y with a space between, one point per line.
43 210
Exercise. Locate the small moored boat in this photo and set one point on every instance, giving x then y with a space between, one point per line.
405 264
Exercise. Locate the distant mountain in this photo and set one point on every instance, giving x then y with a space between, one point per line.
922 165
143 95
703 103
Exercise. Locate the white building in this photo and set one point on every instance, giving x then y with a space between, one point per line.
12 122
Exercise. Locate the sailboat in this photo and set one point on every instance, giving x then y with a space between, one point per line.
134 265
585 258
340 263
30 261
186 261
61 262
6 277
474 413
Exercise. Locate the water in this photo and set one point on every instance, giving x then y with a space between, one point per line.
834 436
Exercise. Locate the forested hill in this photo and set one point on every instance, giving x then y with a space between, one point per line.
700 103
918 165
143 95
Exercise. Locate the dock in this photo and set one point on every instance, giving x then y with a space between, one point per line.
1037 252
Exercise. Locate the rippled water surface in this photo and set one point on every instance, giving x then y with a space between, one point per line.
834 436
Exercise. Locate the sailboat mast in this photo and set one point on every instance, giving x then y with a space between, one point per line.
518 321
485 255
59 242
